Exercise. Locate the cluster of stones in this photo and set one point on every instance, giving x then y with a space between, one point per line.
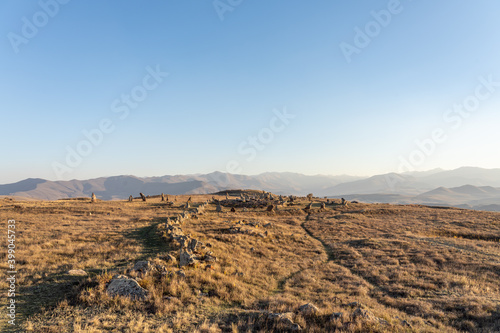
191 251
257 200
309 206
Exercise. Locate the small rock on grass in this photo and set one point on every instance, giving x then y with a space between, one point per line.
308 309
142 267
77 272
122 285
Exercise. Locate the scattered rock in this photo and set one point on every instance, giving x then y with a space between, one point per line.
122 285
355 305
186 258
285 319
209 258
161 269
142 267
365 314
337 315
170 258
193 244
308 309
181 273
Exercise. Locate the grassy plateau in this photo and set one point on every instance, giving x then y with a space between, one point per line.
362 267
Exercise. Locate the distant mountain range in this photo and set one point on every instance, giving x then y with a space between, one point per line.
465 187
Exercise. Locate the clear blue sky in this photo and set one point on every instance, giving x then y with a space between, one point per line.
358 114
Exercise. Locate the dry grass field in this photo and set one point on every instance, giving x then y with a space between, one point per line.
365 268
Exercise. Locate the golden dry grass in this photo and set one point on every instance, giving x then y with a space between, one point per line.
413 268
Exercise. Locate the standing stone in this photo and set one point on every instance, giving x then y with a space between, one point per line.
270 208
323 206
187 206
94 198
162 197
130 198
142 196
233 210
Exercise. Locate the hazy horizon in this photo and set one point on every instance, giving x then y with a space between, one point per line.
250 175
93 88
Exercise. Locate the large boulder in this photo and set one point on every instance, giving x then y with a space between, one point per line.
122 285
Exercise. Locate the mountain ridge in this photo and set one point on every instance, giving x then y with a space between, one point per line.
466 187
